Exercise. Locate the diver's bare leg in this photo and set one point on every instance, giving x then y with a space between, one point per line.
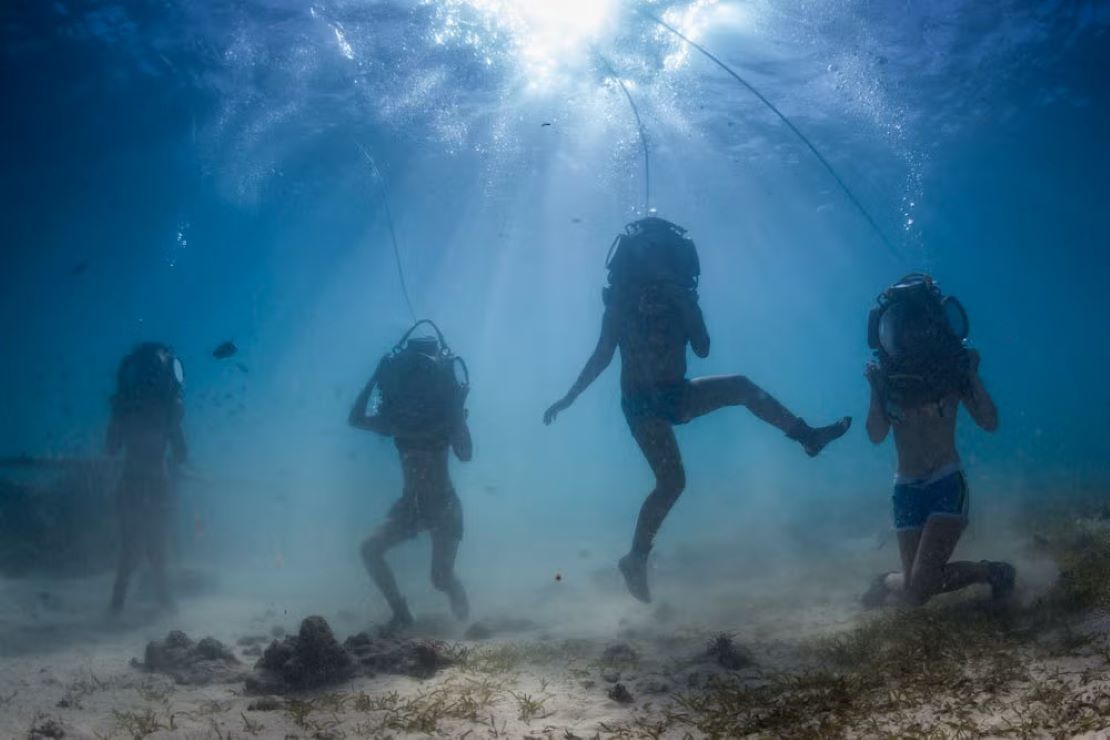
885 584
445 546
155 534
129 553
718 391
931 573
706 395
657 442
373 557
908 542
926 571
964 573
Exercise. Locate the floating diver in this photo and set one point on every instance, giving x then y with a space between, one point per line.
147 412
651 313
923 372
423 388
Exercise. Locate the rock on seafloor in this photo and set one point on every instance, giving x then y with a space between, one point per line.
313 658
192 663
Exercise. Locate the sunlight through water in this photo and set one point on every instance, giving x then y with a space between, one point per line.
546 37
547 40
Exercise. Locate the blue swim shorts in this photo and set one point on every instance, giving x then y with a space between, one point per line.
915 502
666 402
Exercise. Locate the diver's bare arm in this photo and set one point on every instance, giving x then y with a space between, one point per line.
358 417
686 301
878 423
599 360
461 441
978 400
695 326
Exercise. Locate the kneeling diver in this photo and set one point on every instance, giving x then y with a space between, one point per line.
651 314
923 373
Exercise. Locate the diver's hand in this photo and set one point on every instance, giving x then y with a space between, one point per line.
556 408
874 375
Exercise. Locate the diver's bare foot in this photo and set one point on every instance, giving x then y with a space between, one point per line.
876 594
460 605
401 622
634 569
815 440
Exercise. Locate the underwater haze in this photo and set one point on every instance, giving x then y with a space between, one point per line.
280 174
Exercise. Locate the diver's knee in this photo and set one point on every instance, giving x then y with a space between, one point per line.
373 550
743 383
745 391
672 481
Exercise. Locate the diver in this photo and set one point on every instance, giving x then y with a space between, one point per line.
651 314
422 390
147 411
923 373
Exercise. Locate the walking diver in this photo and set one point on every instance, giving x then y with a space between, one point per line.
422 406
147 411
924 372
651 313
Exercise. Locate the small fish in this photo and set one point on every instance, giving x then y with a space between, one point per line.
225 350
576 220
558 576
242 368
545 123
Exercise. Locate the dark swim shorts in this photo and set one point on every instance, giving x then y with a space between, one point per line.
667 402
412 514
915 502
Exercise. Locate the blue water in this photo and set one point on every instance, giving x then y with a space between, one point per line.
191 173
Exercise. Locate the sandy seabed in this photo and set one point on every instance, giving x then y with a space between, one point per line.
789 656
